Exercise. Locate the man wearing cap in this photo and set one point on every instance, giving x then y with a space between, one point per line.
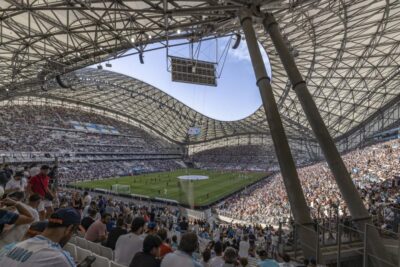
130 244
16 184
40 184
46 249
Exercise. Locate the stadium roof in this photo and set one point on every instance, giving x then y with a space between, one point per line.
348 52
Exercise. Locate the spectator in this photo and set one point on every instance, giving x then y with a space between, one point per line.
218 260
264 261
46 249
97 231
244 247
16 233
40 184
115 233
149 256
230 257
16 184
8 217
183 256
164 248
128 245
206 258
89 220
286 261
184 225
86 199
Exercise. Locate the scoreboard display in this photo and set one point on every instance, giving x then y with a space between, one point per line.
193 71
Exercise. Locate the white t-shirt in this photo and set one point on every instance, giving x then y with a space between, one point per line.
179 259
217 261
126 248
244 247
86 200
16 233
14 184
38 251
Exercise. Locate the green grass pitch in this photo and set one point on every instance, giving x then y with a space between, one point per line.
167 185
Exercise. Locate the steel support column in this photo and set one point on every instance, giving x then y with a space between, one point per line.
346 186
301 212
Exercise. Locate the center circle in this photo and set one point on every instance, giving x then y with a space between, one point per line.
192 177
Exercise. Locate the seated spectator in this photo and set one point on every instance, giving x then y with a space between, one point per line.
218 260
8 217
128 245
88 220
97 231
184 255
164 248
230 257
149 256
16 233
243 262
46 249
264 261
115 233
16 184
286 261
174 242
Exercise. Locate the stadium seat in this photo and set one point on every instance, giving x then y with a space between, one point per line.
106 252
101 262
114 264
81 242
71 248
94 247
81 254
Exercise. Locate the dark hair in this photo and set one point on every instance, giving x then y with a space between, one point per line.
85 193
206 255
306 262
218 248
120 222
105 215
244 262
162 233
286 258
189 242
230 255
150 242
174 238
45 167
34 197
137 223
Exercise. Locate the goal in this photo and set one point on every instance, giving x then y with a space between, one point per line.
121 188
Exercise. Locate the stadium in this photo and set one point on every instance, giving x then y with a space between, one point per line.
303 170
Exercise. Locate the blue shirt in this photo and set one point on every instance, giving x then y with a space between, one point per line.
267 263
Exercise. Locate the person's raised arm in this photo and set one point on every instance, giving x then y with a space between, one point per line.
25 216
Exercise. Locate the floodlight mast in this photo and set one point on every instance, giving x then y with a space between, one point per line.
301 211
346 186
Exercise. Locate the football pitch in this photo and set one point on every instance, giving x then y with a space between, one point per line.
167 185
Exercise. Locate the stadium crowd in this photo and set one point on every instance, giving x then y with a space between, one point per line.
34 230
375 171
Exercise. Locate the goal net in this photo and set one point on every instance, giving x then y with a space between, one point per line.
121 188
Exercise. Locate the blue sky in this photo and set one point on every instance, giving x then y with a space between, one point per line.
236 95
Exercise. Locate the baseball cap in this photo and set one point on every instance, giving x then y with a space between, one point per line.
45 167
65 217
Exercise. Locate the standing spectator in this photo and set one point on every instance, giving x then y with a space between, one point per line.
206 258
184 225
128 245
16 184
86 199
40 184
149 256
264 261
115 233
244 247
218 260
97 231
77 202
184 255
46 249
